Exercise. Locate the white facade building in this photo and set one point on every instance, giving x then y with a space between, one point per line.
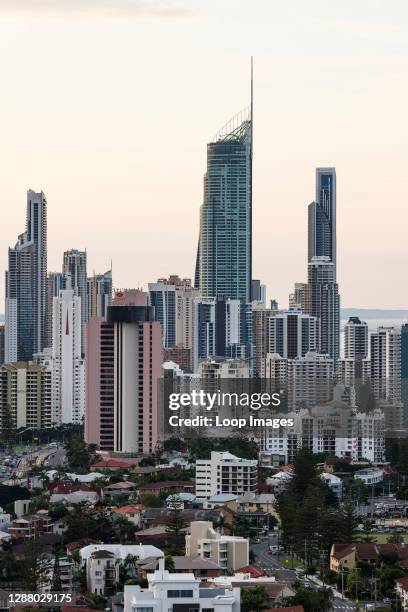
333 428
225 473
370 476
68 370
178 592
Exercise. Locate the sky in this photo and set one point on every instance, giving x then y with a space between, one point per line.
107 106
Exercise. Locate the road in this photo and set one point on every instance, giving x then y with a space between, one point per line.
56 458
272 562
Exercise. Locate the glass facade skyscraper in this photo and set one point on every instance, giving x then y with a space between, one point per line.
322 217
225 243
26 285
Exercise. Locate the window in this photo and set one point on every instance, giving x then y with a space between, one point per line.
173 594
144 610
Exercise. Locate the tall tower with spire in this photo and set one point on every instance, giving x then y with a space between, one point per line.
224 256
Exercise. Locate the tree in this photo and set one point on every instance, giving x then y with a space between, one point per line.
365 535
8 428
95 601
56 585
147 461
253 599
176 525
78 453
311 600
305 472
169 563
34 565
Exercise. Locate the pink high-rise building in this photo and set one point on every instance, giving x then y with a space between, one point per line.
122 371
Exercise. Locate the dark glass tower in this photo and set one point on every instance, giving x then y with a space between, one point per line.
322 217
26 285
225 249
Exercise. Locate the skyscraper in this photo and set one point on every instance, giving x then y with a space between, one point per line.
404 367
123 364
68 370
322 217
293 334
74 263
355 339
99 295
26 285
323 302
204 330
56 281
385 355
225 243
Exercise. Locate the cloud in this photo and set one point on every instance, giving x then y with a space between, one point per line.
97 8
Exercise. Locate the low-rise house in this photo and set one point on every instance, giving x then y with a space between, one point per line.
181 500
228 552
113 464
252 502
31 526
118 488
201 568
76 497
102 572
370 476
180 592
334 482
345 556
167 486
221 499
132 512
103 561
276 590
279 481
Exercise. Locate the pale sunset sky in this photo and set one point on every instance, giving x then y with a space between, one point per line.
107 106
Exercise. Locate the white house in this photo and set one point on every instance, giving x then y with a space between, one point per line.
179 593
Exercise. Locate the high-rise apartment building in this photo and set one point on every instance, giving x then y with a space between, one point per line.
225 473
404 367
122 370
26 285
68 368
25 393
99 295
293 334
297 299
385 356
303 381
355 339
204 329
228 328
322 217
260 316
56 281
74 263
333 428
225 242
323 302
172 300
2 340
